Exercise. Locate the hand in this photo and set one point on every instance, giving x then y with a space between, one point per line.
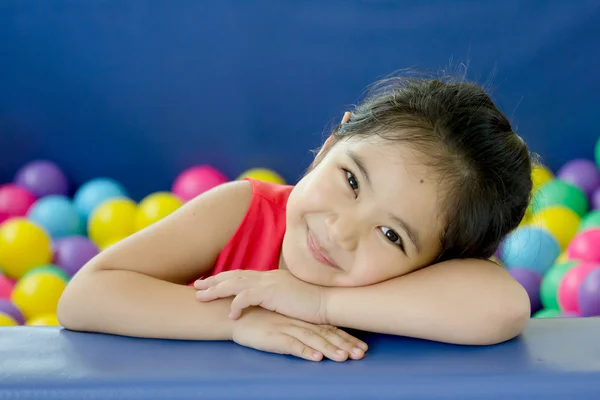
276 290
275 333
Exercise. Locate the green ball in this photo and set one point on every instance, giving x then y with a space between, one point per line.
547 313
591 220
49 269
550 283
560 193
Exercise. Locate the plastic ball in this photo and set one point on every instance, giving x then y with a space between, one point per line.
530 247
57 215
6 320
582 173
155 207
94 192
561 222
73 252
6 286
50 269
38 292
540 175
569 315
112 220
568 290
49 319
23 246
547 313
7 307
595 200
263 174
551 282
496 260
585 246
42 178
591 220
197 180
530 280
560 193
588 296
15 200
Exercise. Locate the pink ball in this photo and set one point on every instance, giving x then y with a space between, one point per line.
568 289
197 180
6 287
585 246
15 200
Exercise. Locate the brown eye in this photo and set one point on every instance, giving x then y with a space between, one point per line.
352 181
392 236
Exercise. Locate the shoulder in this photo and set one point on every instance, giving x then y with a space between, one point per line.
275 194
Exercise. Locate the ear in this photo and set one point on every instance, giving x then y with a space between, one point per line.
346 117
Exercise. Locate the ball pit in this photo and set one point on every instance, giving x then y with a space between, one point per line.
564 214
46 237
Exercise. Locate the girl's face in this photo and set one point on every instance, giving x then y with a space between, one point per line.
367 212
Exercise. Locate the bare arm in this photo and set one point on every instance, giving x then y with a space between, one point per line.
461 301
138 287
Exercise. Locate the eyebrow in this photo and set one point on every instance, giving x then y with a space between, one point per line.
410 231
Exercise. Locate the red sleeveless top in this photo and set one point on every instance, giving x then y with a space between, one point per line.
256 244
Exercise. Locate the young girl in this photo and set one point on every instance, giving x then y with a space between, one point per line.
389 231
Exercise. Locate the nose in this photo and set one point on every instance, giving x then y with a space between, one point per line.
343 231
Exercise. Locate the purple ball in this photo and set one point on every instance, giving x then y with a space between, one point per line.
589 294
8 308
531 281
595 200
72 252
582 173
42 178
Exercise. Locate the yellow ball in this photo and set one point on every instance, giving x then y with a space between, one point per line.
540 175
562 258
112 220
263 174
38 293
495 259
561 222
155 207
23 246
49 319
7 320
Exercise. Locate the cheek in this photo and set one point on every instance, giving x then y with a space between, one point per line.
374 266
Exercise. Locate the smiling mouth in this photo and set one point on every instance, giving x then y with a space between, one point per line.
317 253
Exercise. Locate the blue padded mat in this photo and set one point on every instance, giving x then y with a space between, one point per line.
553 359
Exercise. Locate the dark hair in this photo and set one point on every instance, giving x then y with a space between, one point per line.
484 167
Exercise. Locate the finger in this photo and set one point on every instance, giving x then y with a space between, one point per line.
313 339
286 344
248 298
224 289
338 338
221 277
352 339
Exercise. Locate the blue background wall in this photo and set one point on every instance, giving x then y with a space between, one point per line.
140 90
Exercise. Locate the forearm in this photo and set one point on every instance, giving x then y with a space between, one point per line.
463 302
131 304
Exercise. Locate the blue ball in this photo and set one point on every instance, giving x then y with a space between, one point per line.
57 215
94 192
530 247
